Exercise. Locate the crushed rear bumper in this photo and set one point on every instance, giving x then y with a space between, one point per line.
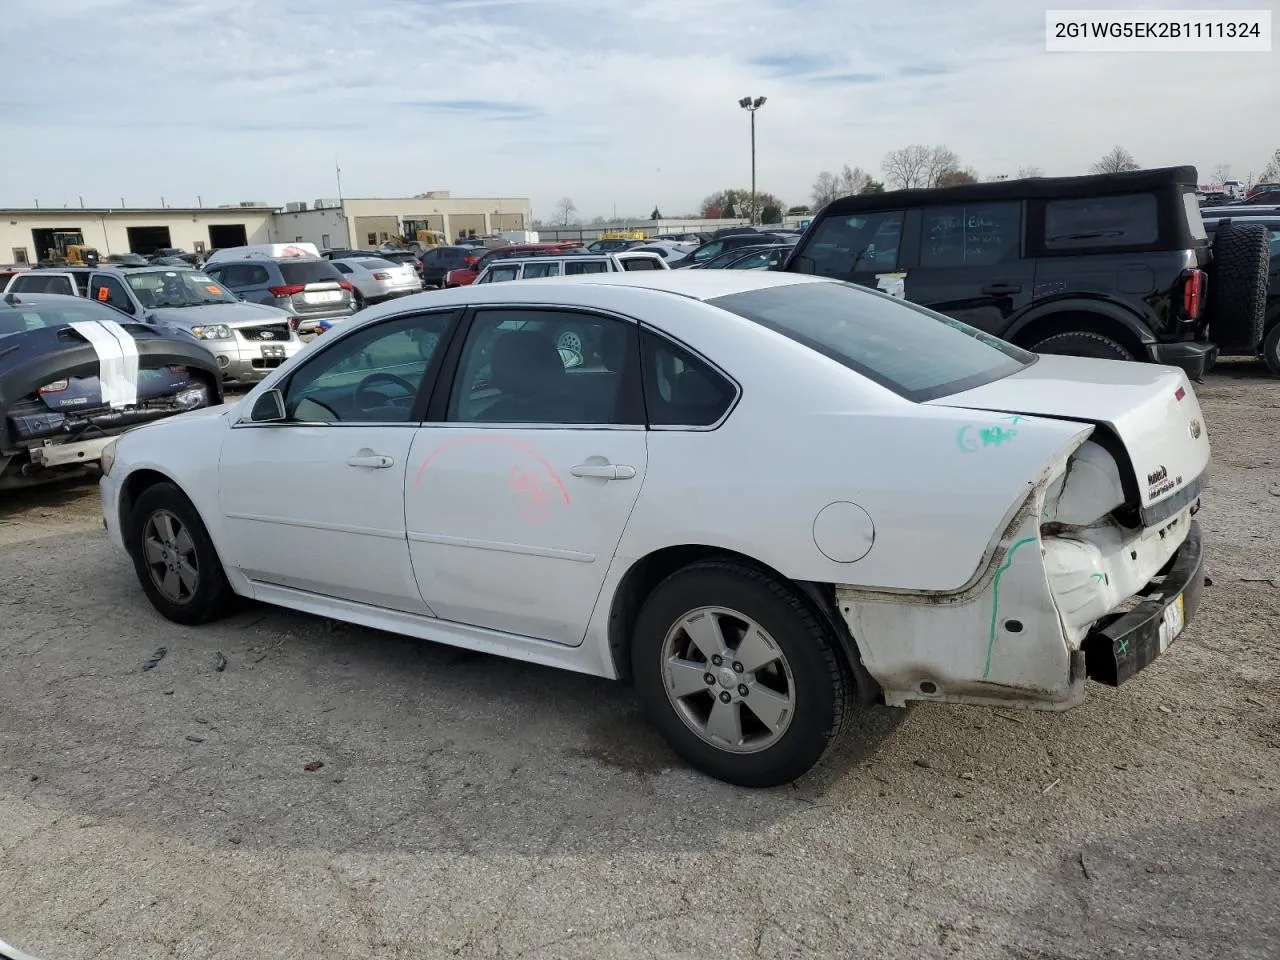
1127 644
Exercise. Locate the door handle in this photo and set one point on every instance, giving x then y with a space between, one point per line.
605 471
1002 288
374 461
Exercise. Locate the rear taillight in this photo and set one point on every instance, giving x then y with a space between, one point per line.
1194 283
288 290
178 370
470 261
293 322
382 276
346 284
57 386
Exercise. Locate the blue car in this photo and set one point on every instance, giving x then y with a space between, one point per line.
75 373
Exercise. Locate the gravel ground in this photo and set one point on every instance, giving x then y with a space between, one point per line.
338 792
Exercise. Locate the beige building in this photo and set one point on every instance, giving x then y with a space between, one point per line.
28 235
363 222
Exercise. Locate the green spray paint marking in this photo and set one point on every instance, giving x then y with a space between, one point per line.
1098 577
1124 646
995 599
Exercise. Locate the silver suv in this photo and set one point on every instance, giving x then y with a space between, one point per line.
308 288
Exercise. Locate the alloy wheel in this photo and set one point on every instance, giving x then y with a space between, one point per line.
170 556
728 680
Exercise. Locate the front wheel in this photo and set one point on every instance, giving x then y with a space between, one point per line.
739 674
174 558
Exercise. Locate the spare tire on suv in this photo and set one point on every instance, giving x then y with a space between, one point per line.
1238 287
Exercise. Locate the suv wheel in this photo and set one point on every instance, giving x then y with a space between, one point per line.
739 674
1238 287
1271 349
1084 343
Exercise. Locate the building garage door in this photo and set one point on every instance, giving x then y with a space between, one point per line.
224 235
146 240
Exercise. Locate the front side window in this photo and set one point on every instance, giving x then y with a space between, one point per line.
371 376
1123 221
501 273
972 235
845 244
546 367
549 269
914 352
107 289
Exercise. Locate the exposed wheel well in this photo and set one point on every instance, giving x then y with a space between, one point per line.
134 485
1071 320
648 572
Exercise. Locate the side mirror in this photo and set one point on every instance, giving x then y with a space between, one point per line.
268 408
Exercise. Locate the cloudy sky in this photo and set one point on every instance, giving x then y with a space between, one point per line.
618 105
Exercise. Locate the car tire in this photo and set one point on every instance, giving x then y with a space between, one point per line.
166 539
791 665
1271 349
357 302
1238 287
1084 343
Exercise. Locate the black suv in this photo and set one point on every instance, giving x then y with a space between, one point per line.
1117 266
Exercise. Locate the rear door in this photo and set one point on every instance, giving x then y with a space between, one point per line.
970 264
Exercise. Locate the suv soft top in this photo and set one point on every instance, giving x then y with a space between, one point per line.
1030 188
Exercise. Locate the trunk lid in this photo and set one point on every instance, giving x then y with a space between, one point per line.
1151 408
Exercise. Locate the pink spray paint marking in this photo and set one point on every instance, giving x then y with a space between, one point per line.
525 484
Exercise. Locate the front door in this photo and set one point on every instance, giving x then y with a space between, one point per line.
517 497
316 502
971 266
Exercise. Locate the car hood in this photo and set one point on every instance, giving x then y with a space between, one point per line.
231 314
1151 408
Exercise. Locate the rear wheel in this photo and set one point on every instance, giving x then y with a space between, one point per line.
739 674
1238 287
1084 343
174 558
358 301
1271 349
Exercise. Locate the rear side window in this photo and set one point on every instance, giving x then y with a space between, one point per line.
640 263
501 274
914 352
861 243
572 269
1121 221
44 283
309 271
1194 218
679 389
973 235
550 269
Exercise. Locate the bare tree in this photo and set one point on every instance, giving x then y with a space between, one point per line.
906 168
1117 160
942 160
1222 173
565 209
1026 173
826 187
853 180
1271 172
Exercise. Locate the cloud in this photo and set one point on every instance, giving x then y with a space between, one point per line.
612 104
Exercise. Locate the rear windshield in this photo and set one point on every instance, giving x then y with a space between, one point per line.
36 282
23 317
916 353
309 271
377 264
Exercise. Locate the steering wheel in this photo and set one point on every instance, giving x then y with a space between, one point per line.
382 400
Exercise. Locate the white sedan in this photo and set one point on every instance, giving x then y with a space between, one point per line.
761 497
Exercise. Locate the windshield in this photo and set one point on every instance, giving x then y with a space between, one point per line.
915 352
177 288
24 317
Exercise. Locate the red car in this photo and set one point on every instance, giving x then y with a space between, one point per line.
464 276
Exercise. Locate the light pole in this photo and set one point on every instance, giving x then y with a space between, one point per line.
751 105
